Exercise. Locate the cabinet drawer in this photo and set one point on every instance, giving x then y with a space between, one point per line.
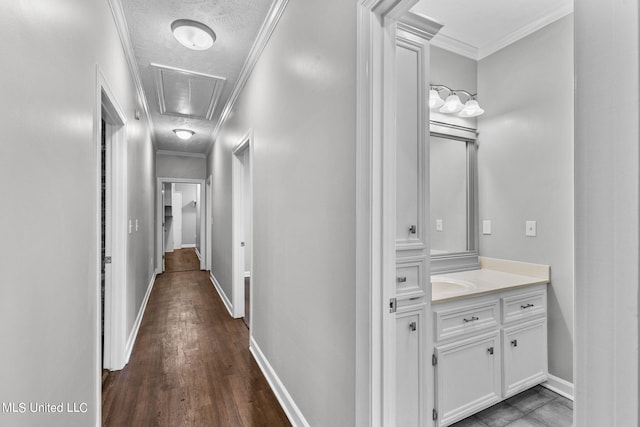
522 307
467 319
409 278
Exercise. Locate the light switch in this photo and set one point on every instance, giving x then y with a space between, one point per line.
530 228
439 225
486 226
130 226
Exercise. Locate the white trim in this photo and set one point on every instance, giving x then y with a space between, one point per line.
560 386
136 326
198 253
456 46
223 296
282 394
238 232
189 245
208 222
180 153
247 274
268 26
520 33
123 32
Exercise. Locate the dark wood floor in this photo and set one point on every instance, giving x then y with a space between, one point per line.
190 366
181 260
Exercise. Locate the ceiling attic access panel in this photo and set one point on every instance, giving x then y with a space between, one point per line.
186 93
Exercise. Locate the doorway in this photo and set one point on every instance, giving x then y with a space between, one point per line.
112 219
242 230
181 223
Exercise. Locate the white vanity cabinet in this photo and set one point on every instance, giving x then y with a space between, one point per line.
488 348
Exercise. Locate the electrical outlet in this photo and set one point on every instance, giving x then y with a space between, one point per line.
137 227
486 226
439 225
530 229
130 226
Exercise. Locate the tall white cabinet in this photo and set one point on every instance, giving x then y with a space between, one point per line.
413 297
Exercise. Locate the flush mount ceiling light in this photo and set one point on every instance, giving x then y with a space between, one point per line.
184 134
453 104
192 34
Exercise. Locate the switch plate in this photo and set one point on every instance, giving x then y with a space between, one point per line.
137 228
439 225
530 228
486 226
130 226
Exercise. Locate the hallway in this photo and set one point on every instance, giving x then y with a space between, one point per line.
191 364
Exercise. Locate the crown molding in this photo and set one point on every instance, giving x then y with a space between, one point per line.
180 153
267 28
123 32
419 25
551 16
456 46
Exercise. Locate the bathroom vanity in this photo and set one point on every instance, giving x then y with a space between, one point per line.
490 332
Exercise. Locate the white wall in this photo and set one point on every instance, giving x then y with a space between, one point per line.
525 167
48 182
300 102
607 178
170 166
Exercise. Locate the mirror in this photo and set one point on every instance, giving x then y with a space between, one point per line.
453 204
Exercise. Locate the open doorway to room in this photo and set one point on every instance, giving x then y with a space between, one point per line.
181 221
242 230
112 217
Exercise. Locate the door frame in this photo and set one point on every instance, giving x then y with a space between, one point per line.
375 210
238 221
107 107
160 181
208 221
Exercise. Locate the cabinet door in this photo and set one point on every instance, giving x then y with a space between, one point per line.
525 356
410 363
410 153
467 377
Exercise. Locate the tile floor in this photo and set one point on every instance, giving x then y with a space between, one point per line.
536 407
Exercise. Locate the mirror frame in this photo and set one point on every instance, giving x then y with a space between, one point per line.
465 260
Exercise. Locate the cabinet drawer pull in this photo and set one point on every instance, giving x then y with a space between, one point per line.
474 318
402 279
490 350
514 343
414 298
522 307
412 326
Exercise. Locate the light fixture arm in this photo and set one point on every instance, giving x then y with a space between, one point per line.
440 88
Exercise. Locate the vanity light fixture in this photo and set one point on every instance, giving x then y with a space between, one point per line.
193 34
184 134
453 104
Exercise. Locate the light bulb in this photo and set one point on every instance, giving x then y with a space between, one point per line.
183 134
435 101
452 104
471 109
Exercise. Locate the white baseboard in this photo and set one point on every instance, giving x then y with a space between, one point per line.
136 326
286 401
198 254
223 297
188 245
247 274
560 386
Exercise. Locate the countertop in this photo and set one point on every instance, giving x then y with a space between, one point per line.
494 275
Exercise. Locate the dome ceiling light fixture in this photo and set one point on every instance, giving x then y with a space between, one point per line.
184 134
452 104
193 34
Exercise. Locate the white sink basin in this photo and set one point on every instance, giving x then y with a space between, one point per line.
447 285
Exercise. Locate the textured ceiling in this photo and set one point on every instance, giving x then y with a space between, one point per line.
236 24
481 27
